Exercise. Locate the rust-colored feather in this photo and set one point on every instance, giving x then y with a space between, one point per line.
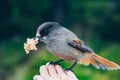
77 41
109 64
98 62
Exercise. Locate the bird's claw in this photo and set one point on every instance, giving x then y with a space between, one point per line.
54 63
68 69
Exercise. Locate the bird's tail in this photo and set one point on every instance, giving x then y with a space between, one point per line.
98 62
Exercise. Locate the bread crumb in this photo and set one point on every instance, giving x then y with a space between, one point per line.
30 45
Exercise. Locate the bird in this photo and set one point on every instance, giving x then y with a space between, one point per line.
65 45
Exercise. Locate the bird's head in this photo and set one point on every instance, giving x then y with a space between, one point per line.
45 29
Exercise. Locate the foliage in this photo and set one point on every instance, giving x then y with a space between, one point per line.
95 21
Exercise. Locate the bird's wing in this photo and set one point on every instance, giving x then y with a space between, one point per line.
94 59
80 45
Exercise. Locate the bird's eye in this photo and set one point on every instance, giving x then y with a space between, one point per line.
44 32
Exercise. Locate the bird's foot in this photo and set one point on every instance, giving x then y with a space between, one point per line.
68 69
56 63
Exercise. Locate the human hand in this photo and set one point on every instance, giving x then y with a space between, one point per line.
54 72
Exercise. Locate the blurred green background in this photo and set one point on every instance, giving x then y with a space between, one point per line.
95 21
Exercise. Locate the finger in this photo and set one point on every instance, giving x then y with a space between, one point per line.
37 77
60 72
71 75
52 71
44 72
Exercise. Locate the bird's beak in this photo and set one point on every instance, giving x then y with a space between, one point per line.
38 37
